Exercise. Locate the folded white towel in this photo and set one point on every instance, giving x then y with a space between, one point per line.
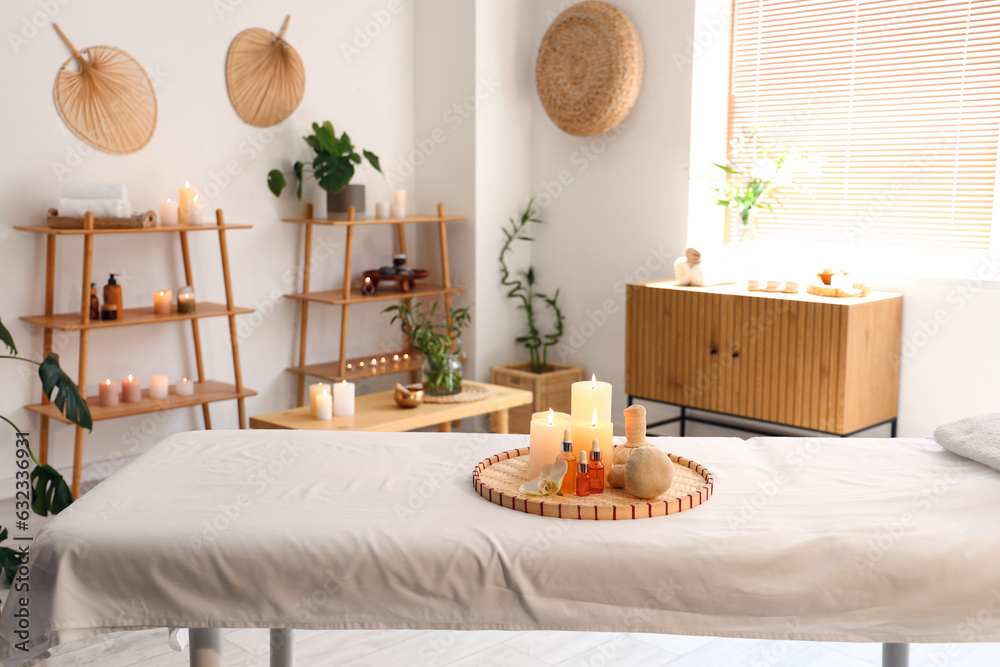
976 438
101 208
77 190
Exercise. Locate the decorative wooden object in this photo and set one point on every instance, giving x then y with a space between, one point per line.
136 221
471 392
206 391
860 290
406 283
818 363
550 390
350 294
499 477
265 76
589 68
379 412
108 101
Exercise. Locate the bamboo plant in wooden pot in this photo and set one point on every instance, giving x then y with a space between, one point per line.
549 382
333 168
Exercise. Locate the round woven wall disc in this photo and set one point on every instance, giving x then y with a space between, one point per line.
589 68
265 76
105 97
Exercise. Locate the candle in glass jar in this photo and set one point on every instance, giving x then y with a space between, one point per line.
185 301
588 396
107 393
314 391
168 212
546 439
585 431
324 405
184 197
159 386
131 390
343 399
184 388
163 302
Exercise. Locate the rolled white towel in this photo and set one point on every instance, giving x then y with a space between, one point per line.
681 271
976 438
77 190
712 273
101 208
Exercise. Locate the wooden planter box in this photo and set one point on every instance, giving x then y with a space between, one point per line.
551 389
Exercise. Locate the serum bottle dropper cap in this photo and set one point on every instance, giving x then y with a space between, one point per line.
595 450
584 465
567 441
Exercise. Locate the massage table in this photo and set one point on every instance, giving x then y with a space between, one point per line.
826 539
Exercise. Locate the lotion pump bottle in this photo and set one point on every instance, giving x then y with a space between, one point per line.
95 305
582 476
569 479
596 468
113 293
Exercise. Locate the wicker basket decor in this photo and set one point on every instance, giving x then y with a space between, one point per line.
499 477
589 68
550 390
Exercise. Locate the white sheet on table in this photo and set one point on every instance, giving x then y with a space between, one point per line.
822 539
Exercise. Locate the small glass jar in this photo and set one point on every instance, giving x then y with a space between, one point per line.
185 300
442 374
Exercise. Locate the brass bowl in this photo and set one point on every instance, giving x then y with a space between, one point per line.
409 396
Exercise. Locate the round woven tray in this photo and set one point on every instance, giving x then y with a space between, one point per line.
471 391
498 478
589 68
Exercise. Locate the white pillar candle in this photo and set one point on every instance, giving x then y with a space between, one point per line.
168 212
159 386
314 390
588 396
196 211
546 439
131 390
107 394
324 405
399 204
184 388
343 399
184 197
163 302
585 431
383 210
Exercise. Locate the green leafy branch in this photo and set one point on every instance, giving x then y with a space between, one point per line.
523 289
435 337
332 166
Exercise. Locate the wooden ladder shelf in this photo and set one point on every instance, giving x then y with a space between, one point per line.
206 391
385 363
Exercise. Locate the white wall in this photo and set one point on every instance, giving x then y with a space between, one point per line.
368 91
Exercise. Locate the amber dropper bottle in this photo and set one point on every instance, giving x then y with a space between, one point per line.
596 468
569 479
582 476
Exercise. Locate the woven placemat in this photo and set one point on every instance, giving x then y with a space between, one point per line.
471 391
498 478
589 68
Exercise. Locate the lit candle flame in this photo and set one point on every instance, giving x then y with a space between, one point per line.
344 382
162 293
187 184
130 378
382 360
361 363
195 198
325 393
406 356
168 200
593 422
395 357
373 361
184 380
593 381
108 382
550 416
350 366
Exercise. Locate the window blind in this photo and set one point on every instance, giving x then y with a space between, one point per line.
899 103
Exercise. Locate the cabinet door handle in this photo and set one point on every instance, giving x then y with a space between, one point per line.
735 354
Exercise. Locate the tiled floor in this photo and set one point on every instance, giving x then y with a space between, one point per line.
412 648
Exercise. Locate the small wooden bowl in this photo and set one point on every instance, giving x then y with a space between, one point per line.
409 396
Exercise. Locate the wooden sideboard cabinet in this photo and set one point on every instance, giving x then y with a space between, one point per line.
819 363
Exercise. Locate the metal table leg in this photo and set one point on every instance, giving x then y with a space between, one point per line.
895 655
282 647
206 647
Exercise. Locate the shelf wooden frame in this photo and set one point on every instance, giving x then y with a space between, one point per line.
348 295
360 368
206 391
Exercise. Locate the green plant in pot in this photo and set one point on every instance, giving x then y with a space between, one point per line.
437 339
523 288
49 491
333 166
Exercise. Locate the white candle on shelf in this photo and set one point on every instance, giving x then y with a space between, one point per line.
168 212
163 302
343 399
184 388
107 394
588 396
399 204
196 212
324 405
383 210
159 386
131 390
184 196
314 391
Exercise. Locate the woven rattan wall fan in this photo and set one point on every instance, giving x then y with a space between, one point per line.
265 76
107 100
589 68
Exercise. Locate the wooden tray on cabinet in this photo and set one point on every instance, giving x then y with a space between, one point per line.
136 221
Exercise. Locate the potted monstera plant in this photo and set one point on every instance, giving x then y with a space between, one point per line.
333 166
550 383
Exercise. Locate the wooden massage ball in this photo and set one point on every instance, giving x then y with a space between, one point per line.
648 472
635 436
